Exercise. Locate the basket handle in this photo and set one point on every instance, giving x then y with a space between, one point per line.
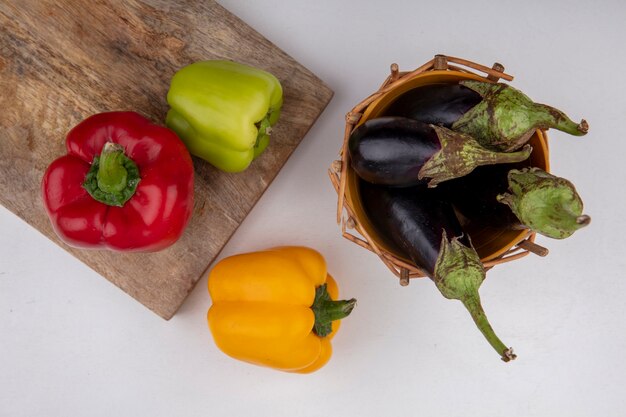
533 247
442 62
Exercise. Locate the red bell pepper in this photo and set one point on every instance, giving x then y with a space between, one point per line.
125 184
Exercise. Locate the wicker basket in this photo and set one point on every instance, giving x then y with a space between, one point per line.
496 247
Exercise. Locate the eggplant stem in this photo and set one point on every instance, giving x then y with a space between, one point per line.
472 304
549 117
460 154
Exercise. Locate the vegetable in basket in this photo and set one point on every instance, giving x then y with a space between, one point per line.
424 226
403 152
528 198
125 184
276 308
224 111
544 203
497 115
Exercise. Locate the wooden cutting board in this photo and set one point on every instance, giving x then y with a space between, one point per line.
61 61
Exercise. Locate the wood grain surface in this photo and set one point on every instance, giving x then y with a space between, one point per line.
61 61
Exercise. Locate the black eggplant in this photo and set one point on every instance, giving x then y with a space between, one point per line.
425 228
403 152
475 198
501 196
498 116
438 104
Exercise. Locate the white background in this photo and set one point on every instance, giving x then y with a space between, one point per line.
72 344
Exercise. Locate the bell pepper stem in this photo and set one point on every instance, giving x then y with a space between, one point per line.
264 128
264 125
113 177
327 310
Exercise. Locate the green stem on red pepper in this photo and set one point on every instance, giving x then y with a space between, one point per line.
113 177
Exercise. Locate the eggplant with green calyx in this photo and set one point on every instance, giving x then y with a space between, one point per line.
497 115
513 197
425 228
544 203
402 152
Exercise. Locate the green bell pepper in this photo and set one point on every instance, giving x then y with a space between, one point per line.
224 111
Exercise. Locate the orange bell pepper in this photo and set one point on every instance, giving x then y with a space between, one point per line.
276 308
